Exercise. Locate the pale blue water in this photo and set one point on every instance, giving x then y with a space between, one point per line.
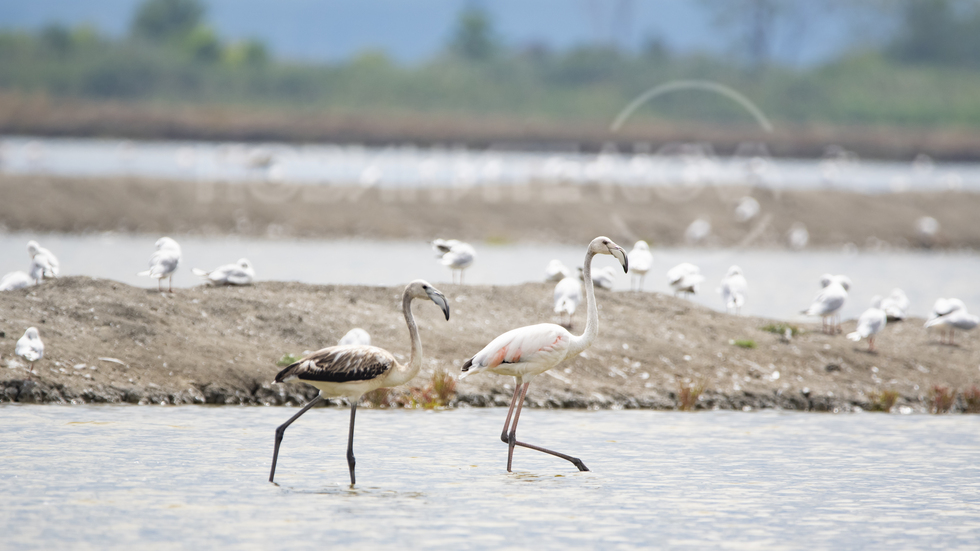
91 477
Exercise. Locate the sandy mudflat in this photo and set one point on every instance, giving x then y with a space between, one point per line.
220 345
537 213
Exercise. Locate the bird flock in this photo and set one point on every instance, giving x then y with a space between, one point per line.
354 367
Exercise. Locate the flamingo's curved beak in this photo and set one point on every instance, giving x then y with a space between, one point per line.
440 300
621 256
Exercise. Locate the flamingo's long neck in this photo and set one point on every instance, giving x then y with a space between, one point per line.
580 343
405 372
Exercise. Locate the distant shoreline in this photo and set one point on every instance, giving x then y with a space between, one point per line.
106 342
547 213
44 116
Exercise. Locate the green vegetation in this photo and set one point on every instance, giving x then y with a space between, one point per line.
926 75
882 400
972 399
688 395
287 359
744 343
781 328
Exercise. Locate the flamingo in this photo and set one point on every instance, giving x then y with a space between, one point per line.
871 322
44 264
164 262
526 352
556 271
30 347
733 289
455 254
956 318
684 278
895 305
828 303
354 370
641 260
14 280
356 336
568 295
239 273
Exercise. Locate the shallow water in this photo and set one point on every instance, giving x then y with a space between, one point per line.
781 283
113 477
410 166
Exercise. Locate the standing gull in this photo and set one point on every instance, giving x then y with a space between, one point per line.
44 264
15 280
30 347
733 289
684 278
526 352
556 271
895 305
956 318
871 322
239 273
641 260
941 308
455 254
356 336
354 370
828 303
568 295
164 262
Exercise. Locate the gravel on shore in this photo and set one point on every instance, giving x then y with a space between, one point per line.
107 342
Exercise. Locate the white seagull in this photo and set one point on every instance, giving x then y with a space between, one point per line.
164 262
44 264
568 295
829 302
733 289
956 317
684 278
239 273
15 280
556 271
354 370
641 260
941 308
896 305
604 278
356 336
871 322
455 254
30 347
526 352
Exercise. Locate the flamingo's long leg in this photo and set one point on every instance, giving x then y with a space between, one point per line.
510 412
282 430
350 442
514 442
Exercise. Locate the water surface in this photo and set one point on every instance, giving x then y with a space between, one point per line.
196 477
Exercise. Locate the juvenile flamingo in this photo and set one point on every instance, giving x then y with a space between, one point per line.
354 370
526 352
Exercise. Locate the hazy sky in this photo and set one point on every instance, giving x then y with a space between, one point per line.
412 30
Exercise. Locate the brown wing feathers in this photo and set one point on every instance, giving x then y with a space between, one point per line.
339 364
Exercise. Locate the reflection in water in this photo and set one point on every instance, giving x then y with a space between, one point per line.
437 479
780 284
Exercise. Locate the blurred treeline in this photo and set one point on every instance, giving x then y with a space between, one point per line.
925 72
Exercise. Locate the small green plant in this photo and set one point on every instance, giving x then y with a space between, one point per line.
882 400
688 394
744 343
972 399
780 329
437 393
287 359
941 399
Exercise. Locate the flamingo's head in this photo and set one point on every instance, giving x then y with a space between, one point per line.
604 245
423 289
